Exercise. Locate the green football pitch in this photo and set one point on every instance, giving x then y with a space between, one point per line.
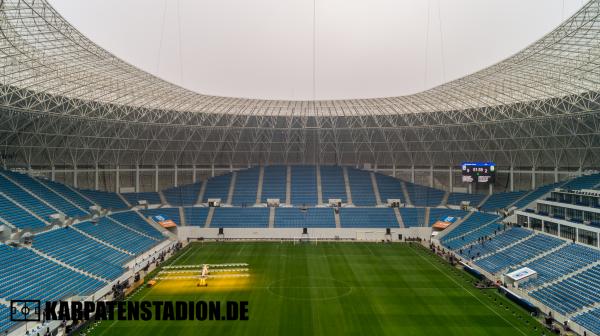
333 289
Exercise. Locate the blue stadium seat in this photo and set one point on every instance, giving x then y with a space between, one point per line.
389 188
361 187
368 218
332 183
106 199
116 235
240 218
217 187
151 197
304 185
274 183
312 217
183 195
195 216
246 185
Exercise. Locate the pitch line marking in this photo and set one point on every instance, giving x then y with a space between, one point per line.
470 293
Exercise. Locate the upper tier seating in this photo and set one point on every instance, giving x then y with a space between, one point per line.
456 198
332 183
304 185
25 199
424 196
184 195
361 187
476 226
312 217
583 182
368 218
18 217
106 199
573 293
46 194
240 218
79 251
168 213
518 253
439 214
196 216
68 193
389 188
133 220
25 274
217 187
589 320
274 183
501 200
151 197
498 241
413 216
117 235
563 261
246 185
535 194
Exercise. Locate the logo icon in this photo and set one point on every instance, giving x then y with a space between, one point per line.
25 310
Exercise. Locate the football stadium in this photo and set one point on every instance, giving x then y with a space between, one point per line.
132 204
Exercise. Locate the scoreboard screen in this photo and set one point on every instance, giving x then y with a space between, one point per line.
478 172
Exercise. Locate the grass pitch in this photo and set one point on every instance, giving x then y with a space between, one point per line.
334 289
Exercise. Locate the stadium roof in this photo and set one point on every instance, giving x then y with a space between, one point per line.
65 100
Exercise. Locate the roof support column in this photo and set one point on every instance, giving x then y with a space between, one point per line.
194 173
412 173
155 177
75 175
52 173
533 177
450 179
394 170
137 178
117 178
555 174
431 176
512 178
175 177
96 177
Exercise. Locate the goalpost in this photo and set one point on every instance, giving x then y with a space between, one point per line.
306 240
370 235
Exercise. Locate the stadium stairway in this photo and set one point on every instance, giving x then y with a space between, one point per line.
24 197
399 218
376 189
182 218
126 201
259 188
483 201
65 265
444 202
288 185
347 185
319 186
505 247
42 220
132 229
541 255
209 217
407 199
201 192
427 215
163 199
271 217
565 276
231 188
100 240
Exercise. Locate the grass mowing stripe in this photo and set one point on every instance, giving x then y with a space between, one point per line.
470 293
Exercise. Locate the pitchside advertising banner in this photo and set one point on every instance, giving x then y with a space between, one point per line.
164 221
33 310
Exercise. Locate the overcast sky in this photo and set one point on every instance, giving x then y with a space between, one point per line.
264 48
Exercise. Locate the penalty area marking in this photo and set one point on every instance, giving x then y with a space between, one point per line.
470 293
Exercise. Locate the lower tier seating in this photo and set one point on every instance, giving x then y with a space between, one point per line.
312 217
25 274
368 218
589 320
240 218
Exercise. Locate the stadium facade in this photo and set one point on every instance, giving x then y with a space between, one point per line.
77 113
